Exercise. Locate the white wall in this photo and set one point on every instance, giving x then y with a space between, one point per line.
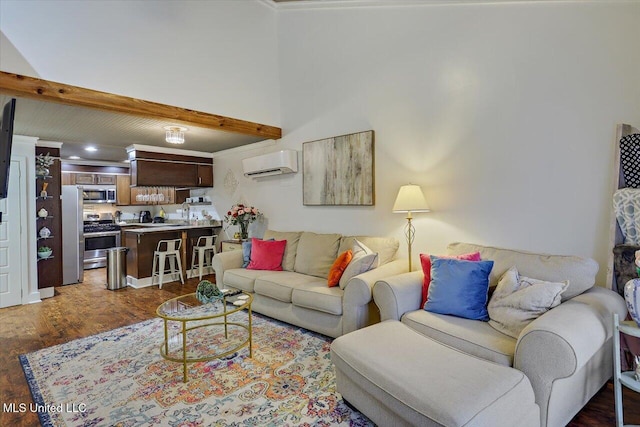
213 56
503 113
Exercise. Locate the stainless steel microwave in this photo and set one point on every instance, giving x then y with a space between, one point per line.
99 195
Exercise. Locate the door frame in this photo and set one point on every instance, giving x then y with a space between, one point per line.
24 151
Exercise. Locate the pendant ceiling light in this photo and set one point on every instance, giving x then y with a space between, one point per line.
175 134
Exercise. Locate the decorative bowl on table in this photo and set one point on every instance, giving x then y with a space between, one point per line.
207 292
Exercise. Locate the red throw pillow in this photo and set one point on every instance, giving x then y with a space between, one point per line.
426 269
266 254
338 267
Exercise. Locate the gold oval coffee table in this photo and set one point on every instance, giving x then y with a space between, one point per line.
193 314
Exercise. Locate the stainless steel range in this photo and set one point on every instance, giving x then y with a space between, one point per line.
99 236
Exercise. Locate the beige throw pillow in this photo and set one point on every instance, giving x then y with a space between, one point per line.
519 300
363 260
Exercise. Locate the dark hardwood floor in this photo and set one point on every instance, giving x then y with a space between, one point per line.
88 308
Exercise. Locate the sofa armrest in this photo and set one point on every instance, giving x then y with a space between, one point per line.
358 309
563 340
225 261
358 290
396 295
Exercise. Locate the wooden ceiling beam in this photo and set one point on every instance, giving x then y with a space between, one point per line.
44 90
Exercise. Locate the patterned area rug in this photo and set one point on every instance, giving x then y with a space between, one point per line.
118 378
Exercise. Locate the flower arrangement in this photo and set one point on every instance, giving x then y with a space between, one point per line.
242 215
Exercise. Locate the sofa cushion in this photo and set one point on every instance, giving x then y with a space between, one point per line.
386 247
292 238
319 297
580 272
470 336
316 253
280 285
519 300
459 288
242 278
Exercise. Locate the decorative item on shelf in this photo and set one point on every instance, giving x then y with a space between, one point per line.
632 294
242 216
207 292
410 199
44 232
43 193
43 163
44 252
42 213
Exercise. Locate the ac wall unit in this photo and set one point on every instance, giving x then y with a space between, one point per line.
277 163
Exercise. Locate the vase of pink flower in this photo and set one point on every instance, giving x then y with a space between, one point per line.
242 215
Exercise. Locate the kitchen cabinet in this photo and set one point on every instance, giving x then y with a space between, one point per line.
142 243
151 172
68 179
167 169
85 179
123 190
205 176
101 179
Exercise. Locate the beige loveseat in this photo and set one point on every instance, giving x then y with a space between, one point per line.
299 294
566 353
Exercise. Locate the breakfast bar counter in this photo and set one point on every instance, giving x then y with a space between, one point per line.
143 240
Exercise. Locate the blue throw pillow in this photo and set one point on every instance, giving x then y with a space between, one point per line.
246 253
459 288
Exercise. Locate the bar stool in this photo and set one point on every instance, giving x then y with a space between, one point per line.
166 250
205 248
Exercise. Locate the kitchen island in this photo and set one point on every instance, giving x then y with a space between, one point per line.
143 240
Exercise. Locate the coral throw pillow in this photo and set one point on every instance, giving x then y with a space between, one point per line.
426 269
266 254
338 267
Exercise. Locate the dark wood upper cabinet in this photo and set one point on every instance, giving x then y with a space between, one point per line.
154 173
205 176
164 169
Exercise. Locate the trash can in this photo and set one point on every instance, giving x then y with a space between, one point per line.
117 267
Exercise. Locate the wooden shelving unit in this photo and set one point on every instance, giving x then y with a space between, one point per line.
50 269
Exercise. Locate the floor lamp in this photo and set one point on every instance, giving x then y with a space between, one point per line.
410 199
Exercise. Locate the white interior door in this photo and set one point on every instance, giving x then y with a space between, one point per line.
11 263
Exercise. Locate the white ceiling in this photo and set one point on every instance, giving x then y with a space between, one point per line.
79 127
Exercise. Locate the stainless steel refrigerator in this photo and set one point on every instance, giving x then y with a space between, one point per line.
72 235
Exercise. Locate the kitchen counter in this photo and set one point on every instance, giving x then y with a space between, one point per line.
156 227
143 240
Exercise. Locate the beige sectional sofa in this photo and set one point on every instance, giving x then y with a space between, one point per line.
299 294
566 353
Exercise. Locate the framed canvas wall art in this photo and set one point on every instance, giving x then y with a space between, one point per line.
339 171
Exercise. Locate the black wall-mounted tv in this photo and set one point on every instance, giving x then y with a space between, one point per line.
6 140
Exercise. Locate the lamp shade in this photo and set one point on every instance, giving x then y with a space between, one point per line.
410 199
